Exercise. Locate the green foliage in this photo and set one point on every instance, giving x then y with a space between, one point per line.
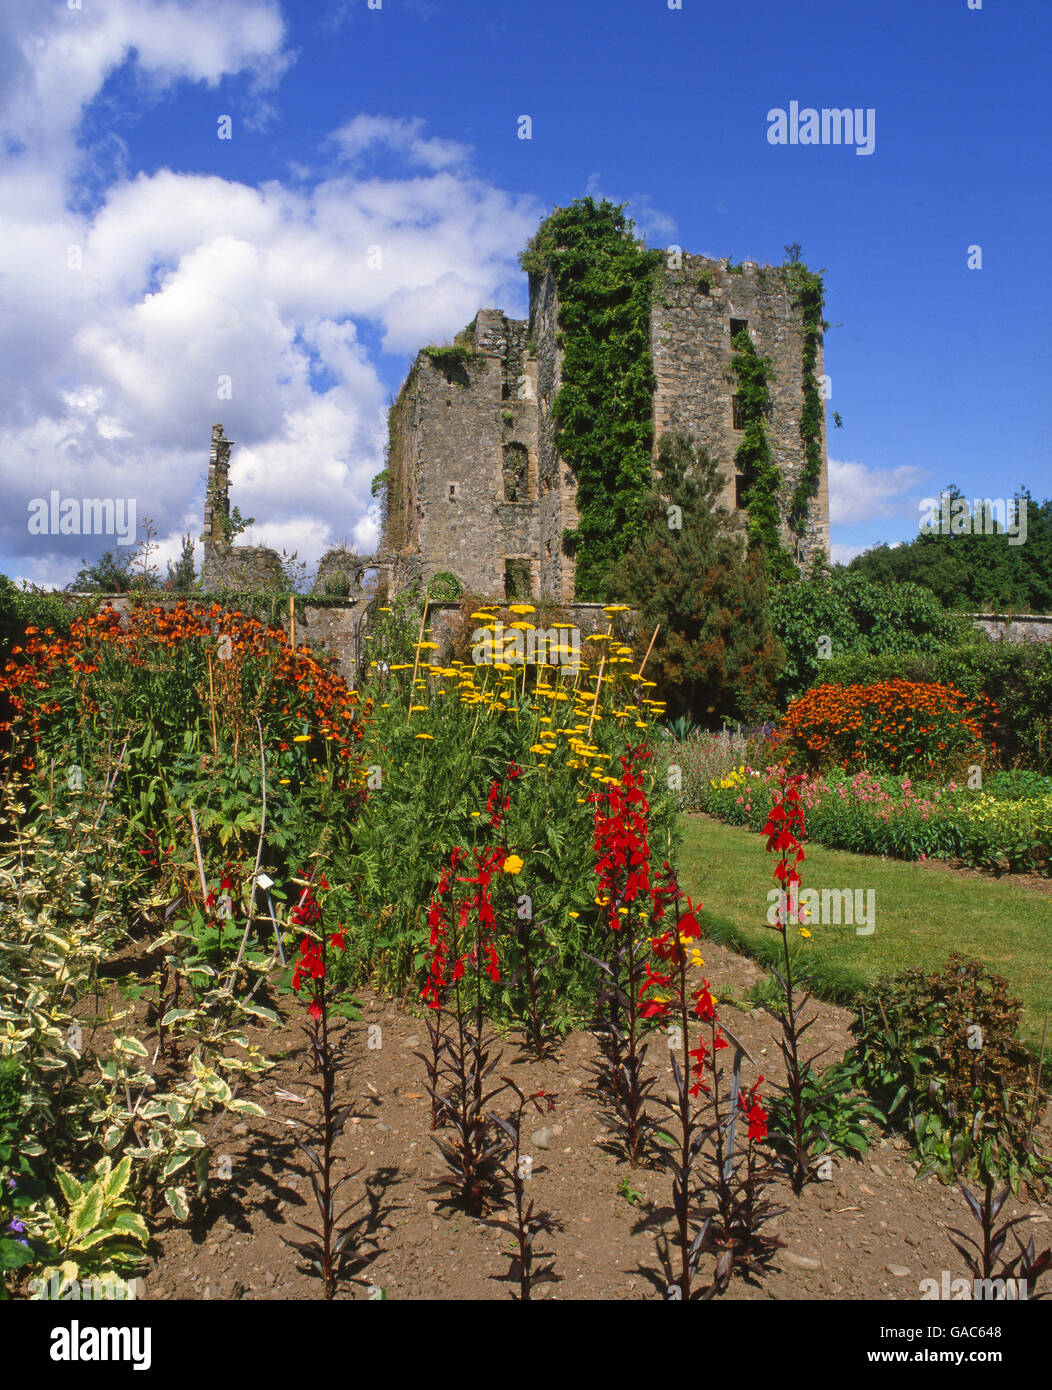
603 411
433 798
98 1232
808 296
761 477
839 1114
716 656
29 606
182 574
974 572
111 573
939 1053
337 585
444 587
855 616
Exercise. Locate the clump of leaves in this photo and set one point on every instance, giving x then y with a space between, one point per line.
939 1053
99 1232
836 1113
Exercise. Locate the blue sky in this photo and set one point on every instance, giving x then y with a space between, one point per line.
245 260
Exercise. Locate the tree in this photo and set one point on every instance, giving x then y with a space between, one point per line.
181 575
834 612
716 656
110 574
980 569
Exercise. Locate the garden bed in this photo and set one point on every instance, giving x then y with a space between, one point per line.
843 1238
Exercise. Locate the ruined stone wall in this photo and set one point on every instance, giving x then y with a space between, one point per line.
1022 627
690 329
476 482
558 492
467 430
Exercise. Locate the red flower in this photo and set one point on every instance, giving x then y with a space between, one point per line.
750 1103
337 940
688 923
315 1010
703 1002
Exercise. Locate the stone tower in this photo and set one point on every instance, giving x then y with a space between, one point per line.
226 566
475 483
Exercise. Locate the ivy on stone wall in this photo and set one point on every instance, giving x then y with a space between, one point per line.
603 411
761 477
392 483
808 296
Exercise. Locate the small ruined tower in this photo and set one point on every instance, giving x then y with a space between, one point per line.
217 497
225 565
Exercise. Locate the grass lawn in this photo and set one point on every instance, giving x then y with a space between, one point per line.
921 915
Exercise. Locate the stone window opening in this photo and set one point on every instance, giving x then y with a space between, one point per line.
452 492
738 326
737 413
517 578
516 461
739 492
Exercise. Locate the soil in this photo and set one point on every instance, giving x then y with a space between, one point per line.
872 1231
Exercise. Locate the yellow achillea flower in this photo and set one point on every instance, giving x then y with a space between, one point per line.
301 738
431 736
804 932
513 864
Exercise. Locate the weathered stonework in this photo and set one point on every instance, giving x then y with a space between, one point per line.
690 336
475 481
226 566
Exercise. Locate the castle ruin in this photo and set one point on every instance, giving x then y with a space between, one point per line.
475 483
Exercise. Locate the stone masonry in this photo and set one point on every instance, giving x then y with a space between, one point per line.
476 485
226 566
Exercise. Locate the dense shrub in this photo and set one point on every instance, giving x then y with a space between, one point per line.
939 1053
1017 678
834 613
889 726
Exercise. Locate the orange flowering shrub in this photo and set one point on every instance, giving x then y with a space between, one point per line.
889 726
189 680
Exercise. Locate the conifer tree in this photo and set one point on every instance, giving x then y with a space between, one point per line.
716 656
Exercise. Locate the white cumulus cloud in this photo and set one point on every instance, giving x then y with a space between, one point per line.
183 298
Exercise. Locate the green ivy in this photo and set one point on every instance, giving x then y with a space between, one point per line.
603 411
808 296
760 474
